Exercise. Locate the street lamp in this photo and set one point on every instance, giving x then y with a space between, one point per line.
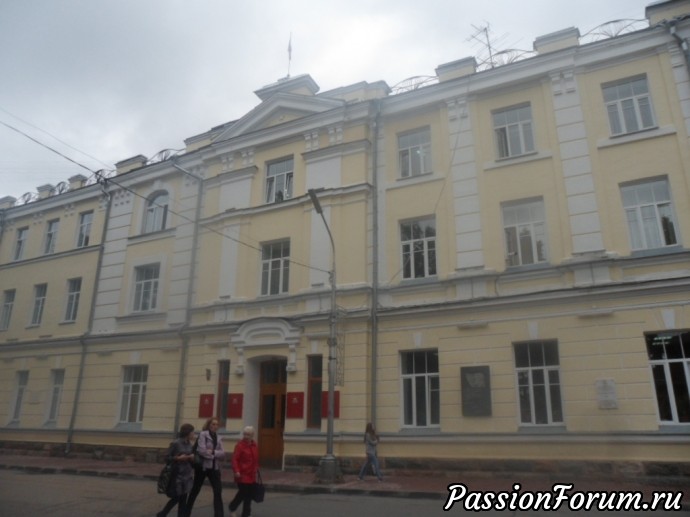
329 470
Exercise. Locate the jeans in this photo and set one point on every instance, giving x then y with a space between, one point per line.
372 460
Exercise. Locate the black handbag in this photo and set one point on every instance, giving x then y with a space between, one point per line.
165 478
258 490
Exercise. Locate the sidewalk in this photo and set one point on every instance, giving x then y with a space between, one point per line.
424 485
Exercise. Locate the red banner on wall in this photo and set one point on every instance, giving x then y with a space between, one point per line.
295 405
235 403
336 404
206 405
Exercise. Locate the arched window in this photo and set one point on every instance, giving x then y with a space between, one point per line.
156 212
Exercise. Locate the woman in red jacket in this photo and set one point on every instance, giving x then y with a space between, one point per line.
245 464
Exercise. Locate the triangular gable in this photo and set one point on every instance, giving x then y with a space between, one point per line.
278 109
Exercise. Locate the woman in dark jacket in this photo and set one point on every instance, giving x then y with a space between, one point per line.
245 465
209 447
180 454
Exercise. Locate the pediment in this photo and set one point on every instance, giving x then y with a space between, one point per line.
278 109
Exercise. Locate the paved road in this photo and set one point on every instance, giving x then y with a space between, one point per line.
25 494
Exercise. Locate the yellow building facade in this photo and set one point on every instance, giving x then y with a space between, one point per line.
510 263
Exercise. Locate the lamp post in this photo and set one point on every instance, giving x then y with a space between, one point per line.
329 470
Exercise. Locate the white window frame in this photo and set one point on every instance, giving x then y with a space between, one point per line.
279 179
52 228
527 384
418 248
629 105
58 381
40 294
22 382
156 214
513 131
133 394
649 214
20 243
674 367
275 268
73 295
414 153
9 295
146 287
525 232
85 223
425 413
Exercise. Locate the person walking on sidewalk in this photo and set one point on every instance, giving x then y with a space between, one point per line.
210 448
371 440
245 465
180 454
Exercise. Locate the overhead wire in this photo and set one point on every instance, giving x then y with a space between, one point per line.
103 181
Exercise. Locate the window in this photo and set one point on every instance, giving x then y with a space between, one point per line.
414 153
275 268
629 105
58 377
51 236
73 292
40 291
22 381
539 385
279 180
7 306
650 215
418 239
133 394
156 214
513 130
524 225
314 390
85 221
669 356
20 243
146 288
421 388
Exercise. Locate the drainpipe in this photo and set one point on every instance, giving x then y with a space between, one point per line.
375 261
184 339
82 339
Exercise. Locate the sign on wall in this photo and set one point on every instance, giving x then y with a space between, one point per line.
475 384
206 405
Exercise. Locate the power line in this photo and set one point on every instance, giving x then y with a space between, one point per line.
55 137
103 181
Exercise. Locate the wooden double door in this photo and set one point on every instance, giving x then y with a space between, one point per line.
272 412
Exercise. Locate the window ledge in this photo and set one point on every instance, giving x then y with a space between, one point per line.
542 429
637 136
516 160
666 250
668 428
415 180
128 426
152 236
142 316
420 431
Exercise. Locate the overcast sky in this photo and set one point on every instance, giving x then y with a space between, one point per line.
103 80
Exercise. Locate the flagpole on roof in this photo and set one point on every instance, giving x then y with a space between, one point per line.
289 54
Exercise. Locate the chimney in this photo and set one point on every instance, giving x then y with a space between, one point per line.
557 40
7 202
135 162
77 181
45 191
455 69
